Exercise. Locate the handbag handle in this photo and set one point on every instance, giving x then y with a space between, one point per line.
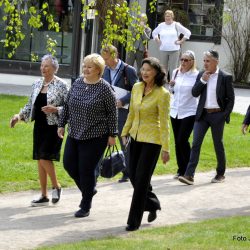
110 150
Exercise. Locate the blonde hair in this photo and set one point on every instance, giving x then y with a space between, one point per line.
111 49
97 60
169 12
191 55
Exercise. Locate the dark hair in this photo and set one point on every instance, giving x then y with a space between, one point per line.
160 78
212 53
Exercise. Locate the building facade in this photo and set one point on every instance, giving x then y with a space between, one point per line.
73 42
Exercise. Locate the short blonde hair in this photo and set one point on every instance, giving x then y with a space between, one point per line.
169 12
97 60
111 49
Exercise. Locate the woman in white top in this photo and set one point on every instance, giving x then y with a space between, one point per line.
166 35
183 108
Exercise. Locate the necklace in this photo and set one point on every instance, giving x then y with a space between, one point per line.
48 83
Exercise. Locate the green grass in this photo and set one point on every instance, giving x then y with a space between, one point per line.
215 234
19 172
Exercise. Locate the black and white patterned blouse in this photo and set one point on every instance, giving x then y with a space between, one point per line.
90 110
56 95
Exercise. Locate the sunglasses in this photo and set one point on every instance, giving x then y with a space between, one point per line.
185 60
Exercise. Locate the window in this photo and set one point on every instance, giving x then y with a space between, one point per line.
35 40
200 16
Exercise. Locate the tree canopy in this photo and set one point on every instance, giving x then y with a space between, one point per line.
119 21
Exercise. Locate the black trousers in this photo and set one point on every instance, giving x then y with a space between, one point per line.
216 121
182 129
143 159
80 160
122 116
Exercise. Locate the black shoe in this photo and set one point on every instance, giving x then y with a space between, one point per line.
189 180
131 228
56 195
123 179
218 179
152 216
40 202
81 213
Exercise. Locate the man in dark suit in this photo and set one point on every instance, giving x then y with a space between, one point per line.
121 75
215 89
246 122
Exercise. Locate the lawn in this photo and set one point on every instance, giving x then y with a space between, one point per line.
217 234
19 172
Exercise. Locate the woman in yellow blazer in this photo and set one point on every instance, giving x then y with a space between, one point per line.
147 126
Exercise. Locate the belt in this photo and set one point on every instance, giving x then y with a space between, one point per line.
215 110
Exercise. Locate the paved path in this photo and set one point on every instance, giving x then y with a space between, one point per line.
25 227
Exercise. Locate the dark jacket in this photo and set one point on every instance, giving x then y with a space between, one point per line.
247 117
224 94
125 79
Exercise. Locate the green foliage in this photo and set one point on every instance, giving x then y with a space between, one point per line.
15 11
120 22
51 44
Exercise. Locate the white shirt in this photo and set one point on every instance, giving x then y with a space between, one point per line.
183 104
211 100
169 34
114 72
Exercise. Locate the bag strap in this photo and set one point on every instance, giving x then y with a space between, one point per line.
125 74
110 150
176 73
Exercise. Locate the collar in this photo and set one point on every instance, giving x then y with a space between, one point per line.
117 66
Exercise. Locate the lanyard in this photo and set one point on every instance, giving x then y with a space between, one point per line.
114 77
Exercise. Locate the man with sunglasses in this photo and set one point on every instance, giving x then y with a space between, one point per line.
216 100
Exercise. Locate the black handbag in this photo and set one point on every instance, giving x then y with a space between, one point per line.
112 163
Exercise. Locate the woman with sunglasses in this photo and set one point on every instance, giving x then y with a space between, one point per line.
183 108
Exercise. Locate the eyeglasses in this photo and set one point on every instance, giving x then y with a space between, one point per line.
185 60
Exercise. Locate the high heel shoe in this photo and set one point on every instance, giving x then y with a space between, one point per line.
131 228
152 216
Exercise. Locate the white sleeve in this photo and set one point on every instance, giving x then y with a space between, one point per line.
156 31
181 29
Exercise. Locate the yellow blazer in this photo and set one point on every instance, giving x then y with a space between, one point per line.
148 118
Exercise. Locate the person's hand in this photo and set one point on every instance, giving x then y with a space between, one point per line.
119 104
244 128
205 76
178 42
60 132
49 109
14 120
172 83
111 141
165 157
124 140
158 41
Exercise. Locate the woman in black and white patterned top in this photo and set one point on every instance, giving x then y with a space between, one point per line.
91 115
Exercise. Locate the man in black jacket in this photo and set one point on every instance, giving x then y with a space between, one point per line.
246 121
121 75
215 89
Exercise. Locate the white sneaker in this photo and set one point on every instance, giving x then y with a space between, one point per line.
56 195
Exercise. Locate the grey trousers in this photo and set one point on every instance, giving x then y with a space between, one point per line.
170 60
138 57
216 122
